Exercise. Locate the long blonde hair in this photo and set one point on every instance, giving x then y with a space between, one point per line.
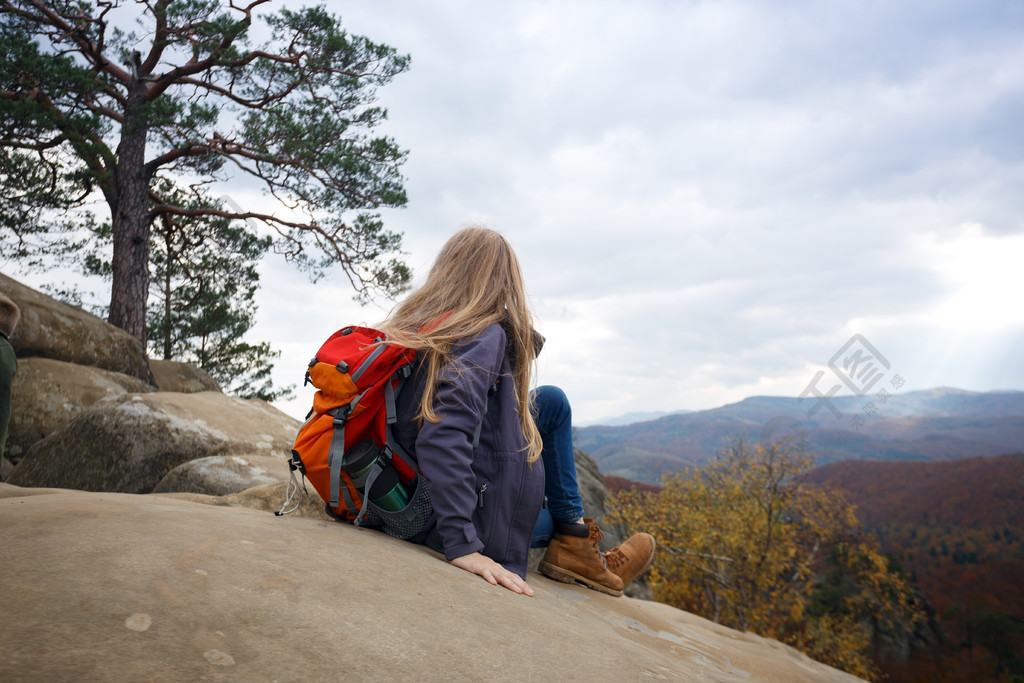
475 281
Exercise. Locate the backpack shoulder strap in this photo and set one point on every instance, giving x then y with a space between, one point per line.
390 392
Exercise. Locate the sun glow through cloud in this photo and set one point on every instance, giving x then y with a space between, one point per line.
986 275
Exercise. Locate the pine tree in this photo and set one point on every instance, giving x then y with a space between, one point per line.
205 278
87 107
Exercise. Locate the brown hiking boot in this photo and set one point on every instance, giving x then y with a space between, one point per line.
573 556
632 558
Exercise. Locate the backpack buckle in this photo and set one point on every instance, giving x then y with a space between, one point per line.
295 463
341 414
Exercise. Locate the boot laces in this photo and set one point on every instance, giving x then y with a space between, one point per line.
615 558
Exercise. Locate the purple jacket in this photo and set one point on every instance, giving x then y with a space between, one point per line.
486 498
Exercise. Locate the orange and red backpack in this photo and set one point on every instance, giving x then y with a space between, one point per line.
357 374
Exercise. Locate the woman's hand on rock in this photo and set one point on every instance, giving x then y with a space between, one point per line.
492 572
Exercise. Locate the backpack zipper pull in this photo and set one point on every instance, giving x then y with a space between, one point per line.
312 362
480 495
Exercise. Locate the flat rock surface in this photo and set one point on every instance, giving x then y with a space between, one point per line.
123 587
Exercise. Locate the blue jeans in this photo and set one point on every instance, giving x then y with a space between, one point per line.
553 416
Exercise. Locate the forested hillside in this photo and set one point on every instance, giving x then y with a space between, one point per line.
958 529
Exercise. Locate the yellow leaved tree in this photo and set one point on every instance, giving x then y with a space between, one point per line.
745 542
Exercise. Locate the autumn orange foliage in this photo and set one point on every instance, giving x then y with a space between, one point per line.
617 484
745 542
958 528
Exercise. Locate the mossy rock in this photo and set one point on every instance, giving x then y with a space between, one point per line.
129 443
48 393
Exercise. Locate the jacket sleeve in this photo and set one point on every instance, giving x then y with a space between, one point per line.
445 449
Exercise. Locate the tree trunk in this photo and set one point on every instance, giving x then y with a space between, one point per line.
130 221
168 290
167 316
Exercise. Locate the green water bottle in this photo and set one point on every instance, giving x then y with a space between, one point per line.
359 459
387 491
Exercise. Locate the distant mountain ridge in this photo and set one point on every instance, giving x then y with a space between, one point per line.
934 424
630 418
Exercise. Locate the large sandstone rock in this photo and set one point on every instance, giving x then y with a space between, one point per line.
129 443
52 329
116 587
220 475
172 375
47 393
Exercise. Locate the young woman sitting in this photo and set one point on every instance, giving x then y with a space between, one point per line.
492 450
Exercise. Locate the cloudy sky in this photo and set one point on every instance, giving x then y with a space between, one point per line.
710 199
